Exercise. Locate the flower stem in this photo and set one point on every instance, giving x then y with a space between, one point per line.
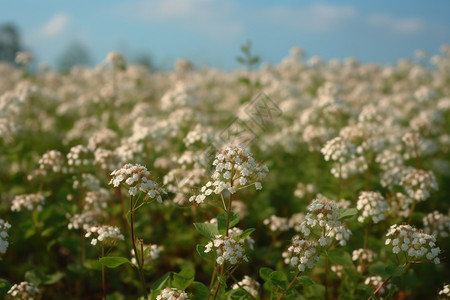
217 290
379 288
241 287
413 206
327 269
228 214
133 241
290 285
366 236
103 276
339 183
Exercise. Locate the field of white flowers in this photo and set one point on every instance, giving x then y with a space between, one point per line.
308 179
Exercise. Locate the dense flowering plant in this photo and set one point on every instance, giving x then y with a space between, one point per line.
322 222
415 244
301 254
235 168
355 151
138 179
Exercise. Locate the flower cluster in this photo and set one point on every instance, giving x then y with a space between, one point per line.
303 189
399 205
413 242
249 284
23 58
375 281
276 223
86 181
117 60
323 214
301 254
437 224
419 183
106 159
235 168
338 150
24 290
372 206
108 236
4 226
84 221
295 220
79 156
172 294
53 160
96 200
137 177
445 292
248 241
227 249
363 257
152 254
28 201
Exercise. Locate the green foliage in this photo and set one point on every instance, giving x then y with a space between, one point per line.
208 230
222 221
113 262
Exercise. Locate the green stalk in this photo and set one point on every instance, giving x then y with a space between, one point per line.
290 285
103 276
366 236
340 182
327 269
413 206
133 241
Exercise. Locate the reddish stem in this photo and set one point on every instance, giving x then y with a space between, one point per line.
379 288
290 285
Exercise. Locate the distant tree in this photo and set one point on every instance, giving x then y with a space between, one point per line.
75 54
9 43
144 59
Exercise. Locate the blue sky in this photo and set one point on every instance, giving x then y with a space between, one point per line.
210 32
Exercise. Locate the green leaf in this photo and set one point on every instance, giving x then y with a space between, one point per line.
378 268
92 264
394 271
53 278
5 285
35 276
160 283
39 278
223 280
305 280
278 278
115 296
211 255
244 80
208 230
265 272
367 289
237 294
340 257
246 233
201 291
48 231
222 221
113 262
183 279
346 213
254 60
240 60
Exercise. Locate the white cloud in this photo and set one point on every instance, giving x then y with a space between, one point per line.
318 18
213 18
56 26
407 26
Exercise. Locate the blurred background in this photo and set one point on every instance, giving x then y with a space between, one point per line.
209 32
